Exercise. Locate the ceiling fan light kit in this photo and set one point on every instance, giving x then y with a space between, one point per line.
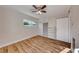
39 9
38 12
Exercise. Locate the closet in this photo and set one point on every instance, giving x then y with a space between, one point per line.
63 29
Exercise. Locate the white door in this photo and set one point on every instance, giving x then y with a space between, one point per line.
62 29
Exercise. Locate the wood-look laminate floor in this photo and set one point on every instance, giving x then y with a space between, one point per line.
37 44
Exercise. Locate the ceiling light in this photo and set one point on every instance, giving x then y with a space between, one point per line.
38 12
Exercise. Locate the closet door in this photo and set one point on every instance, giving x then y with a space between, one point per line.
62 29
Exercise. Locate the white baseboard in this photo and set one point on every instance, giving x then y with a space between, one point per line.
9 43
47 36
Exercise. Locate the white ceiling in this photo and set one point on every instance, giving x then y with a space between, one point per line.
55 11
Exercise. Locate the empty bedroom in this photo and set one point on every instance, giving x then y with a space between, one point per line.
39 28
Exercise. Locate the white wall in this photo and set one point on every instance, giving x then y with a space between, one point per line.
12 28
74 17
41 21
52 28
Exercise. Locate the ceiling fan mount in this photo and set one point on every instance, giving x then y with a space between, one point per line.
39 9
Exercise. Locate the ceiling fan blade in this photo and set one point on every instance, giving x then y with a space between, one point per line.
34 6
43 11
44 6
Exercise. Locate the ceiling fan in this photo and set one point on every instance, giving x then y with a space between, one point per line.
39 9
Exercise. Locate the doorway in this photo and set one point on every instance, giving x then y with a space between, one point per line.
45 29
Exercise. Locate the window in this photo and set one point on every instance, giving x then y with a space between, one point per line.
28 22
